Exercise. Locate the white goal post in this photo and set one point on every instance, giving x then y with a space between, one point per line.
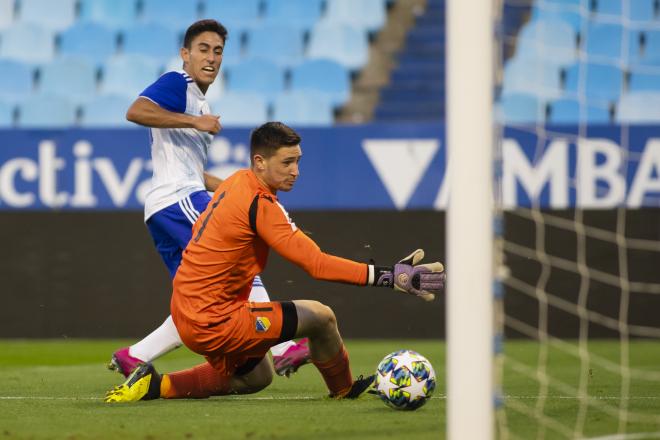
470 137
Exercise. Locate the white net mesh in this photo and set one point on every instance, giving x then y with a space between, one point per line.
580 187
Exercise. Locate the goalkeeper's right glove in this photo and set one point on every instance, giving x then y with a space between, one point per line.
422 280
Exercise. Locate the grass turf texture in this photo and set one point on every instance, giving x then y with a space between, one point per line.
53 389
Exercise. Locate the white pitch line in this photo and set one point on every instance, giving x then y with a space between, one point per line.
632 436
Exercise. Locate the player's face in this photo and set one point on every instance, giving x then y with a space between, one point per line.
280 171
202 61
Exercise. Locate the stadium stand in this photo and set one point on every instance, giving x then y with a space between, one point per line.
241 109
368 15
55 15
27 42
640 108
302 108
44 111
128 75
322 77
106 111
255 76
340 42
174 14
297 14
16 80
6 114
234 15
569 111
116 14
74 79
6 13
277 43
151 40
92 42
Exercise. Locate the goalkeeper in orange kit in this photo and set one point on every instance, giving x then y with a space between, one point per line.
229 247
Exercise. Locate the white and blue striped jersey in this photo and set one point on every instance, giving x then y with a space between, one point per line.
178 155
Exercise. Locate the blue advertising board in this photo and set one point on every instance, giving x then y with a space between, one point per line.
372 166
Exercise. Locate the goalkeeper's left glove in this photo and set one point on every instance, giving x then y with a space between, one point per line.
422 280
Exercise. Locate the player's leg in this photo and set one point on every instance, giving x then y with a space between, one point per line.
288 356
317 322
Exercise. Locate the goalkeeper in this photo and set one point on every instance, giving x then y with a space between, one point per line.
229 247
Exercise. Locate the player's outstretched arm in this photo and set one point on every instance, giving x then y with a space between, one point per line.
408 276
145 112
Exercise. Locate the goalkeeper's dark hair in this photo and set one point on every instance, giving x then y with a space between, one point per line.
271 136
206 25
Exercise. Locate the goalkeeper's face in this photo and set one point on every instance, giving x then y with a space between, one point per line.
279 171
203 58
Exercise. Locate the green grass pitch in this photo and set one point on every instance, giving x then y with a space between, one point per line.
53 389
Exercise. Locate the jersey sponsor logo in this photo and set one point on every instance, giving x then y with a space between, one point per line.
262 324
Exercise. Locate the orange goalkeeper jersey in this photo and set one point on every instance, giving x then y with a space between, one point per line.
229 246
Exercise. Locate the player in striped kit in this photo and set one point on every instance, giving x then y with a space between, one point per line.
181 129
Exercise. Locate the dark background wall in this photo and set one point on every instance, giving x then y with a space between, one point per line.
96 274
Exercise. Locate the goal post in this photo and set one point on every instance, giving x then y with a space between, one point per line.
470 143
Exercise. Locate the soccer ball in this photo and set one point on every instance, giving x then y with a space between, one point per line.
405 380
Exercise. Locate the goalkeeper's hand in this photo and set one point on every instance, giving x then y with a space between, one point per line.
422 280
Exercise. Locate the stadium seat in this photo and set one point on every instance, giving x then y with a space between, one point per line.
233 14
74 79
339 42
553 40
6 13
532 76
296 14
128 75
651 48
600 82
257 76
6 114
152 40
571 111
43 111
116 14
570 16
608 7
91 41
325 77
241 109
639 108
29 43
16 80
602 41
234 46
521 108
280 44
175 14
106 111
642 11
303 108
369 15
54 15
643 81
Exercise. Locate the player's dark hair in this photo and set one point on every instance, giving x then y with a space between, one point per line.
271 136
206 25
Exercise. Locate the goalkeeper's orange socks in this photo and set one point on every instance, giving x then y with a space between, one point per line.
336 373
194 383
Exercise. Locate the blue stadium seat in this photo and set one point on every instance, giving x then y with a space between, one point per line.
241 109
643 81
572 17
639 108
297 14
74 79
339 42
257 76
29 43
90 41
106 111
532 76
153 40
116 14
280 44
6 114
303 108
369 15
43 111
55 15
603 41
234 51
642 11
521 108
609 7
128 75
7 8
601 81
554 41
569 111
325 77
233 14
176 14
16 80
651 48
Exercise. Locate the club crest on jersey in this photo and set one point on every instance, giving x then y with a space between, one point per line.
262 324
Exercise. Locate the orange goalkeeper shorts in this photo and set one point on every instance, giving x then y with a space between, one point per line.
241 338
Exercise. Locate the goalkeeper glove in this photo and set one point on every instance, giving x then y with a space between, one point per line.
422 280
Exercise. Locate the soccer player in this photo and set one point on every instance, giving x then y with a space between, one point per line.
229 247
182 128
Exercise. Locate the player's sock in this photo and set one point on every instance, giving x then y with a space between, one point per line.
336 373
162 340
194 383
